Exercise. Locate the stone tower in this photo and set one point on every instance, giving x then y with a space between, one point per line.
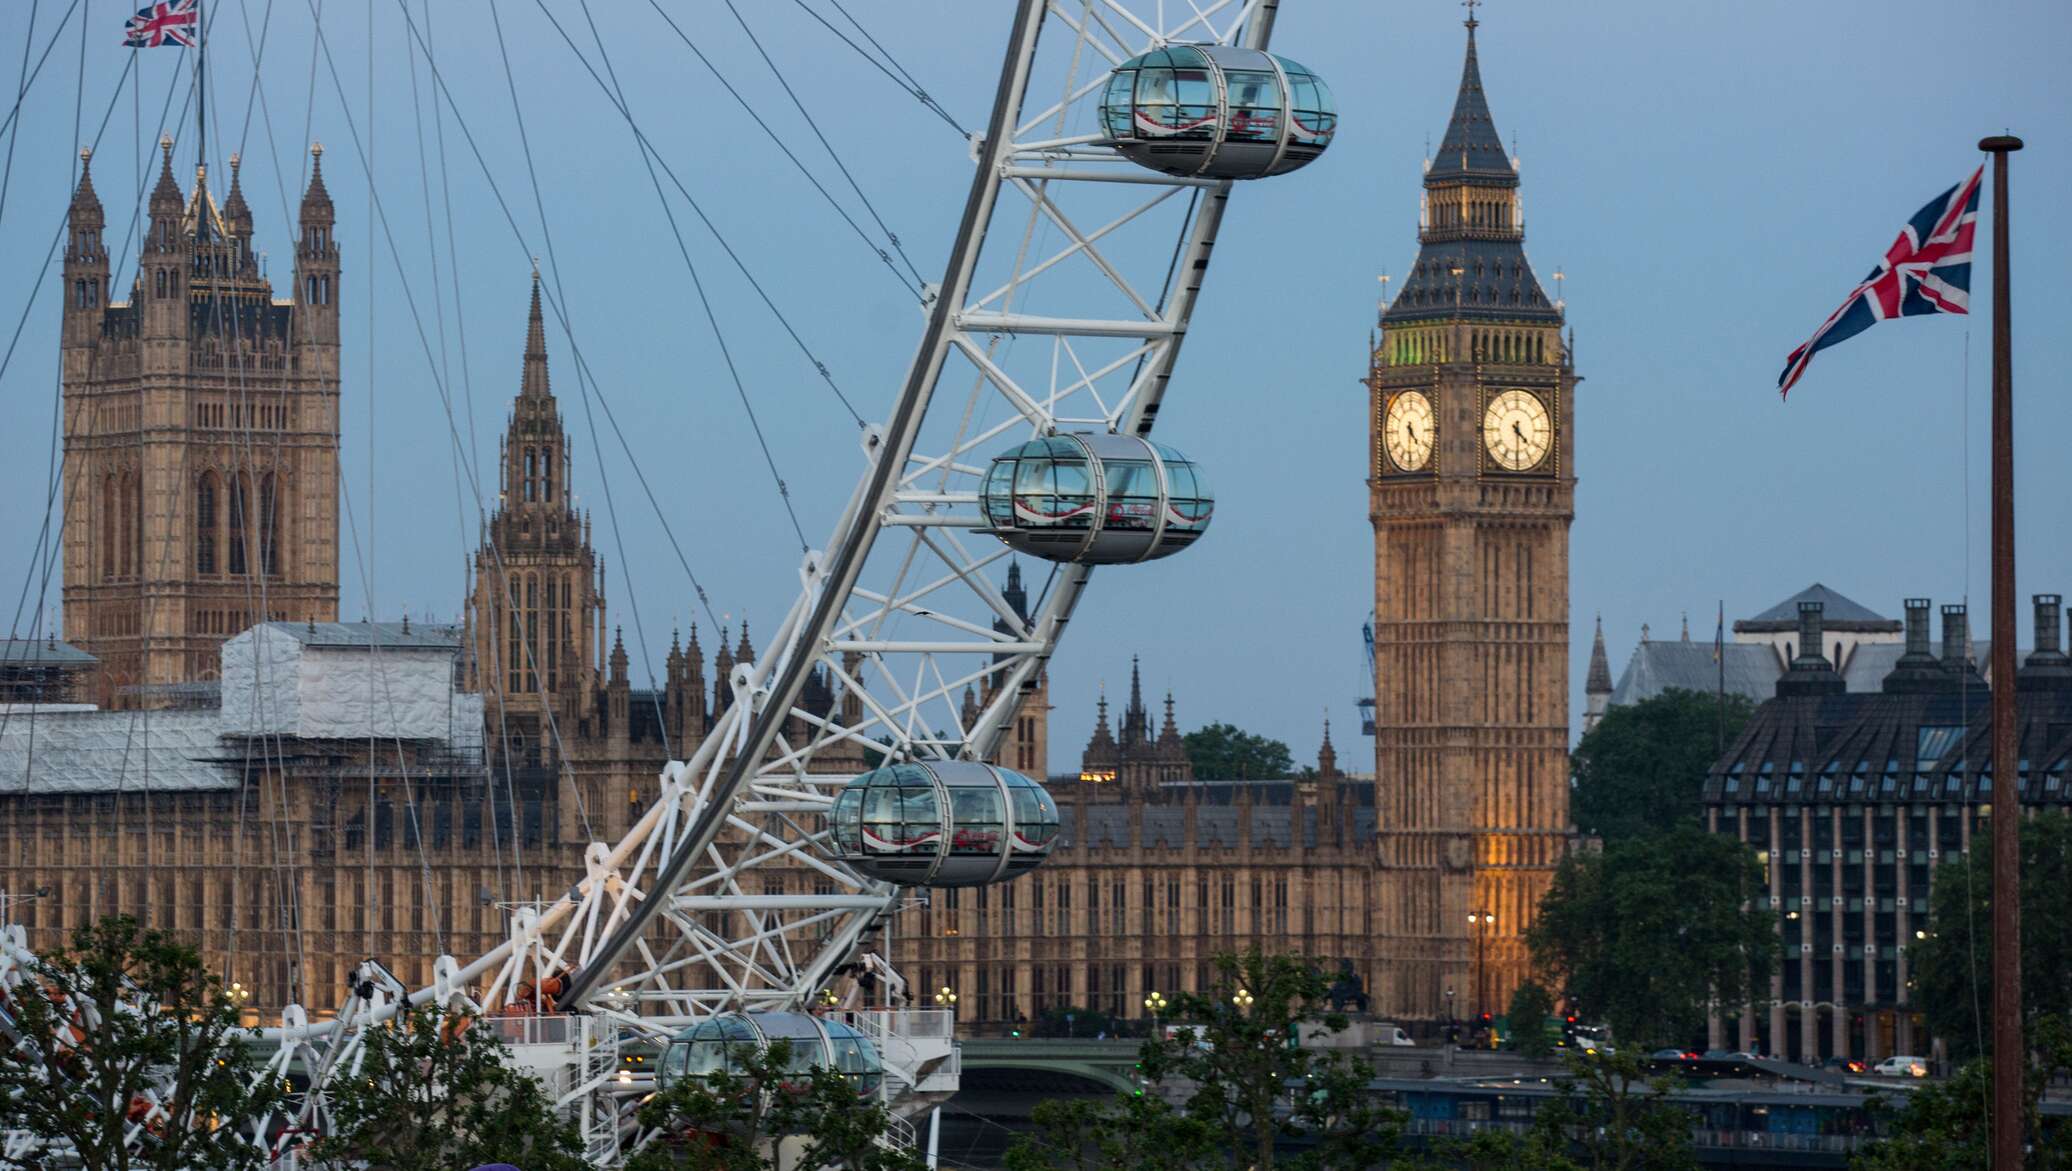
536 614
201 435
1472 487
1025 745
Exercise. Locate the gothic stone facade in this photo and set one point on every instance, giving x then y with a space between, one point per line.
1472 487
201 436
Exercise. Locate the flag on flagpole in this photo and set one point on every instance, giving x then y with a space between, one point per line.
1719 634
173 22
1927 270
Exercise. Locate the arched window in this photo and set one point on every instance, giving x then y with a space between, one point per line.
161 282
547 473
133 526
532 471
237 515
205 524
269 526
324 289
532 630
110 526
514 655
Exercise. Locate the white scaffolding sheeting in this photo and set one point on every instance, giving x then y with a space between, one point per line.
105 752
346 681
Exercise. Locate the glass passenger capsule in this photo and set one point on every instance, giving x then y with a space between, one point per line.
944 823
1217 112
718 1044
1095 499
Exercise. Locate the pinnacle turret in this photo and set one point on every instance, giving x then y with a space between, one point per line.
535 383
1600 678
1472 146
237 216
165 197
316 198
86 203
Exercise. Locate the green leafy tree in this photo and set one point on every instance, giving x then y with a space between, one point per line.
1132 1132
733 1120
1224 752
436 1091
127 1027
1240 1082
1639 771
1942 1125
1952 967
1647 932
1615 1118
1531 1008
1539 1148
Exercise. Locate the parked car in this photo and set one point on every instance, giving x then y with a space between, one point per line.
1902 1066
1667 1055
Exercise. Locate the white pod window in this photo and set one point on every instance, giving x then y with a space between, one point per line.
944 823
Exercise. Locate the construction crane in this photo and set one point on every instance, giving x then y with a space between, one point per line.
1365 702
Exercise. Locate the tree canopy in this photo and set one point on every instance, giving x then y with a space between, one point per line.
1952 967
435 1092
1225 752
127 1029
1641 768
734 1119
1531 1008
1228 1069
1645 933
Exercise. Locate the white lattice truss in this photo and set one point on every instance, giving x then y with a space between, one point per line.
674 923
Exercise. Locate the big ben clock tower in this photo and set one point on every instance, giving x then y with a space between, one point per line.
1472 486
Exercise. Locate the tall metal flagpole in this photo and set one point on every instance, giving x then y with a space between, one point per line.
201 87
2009 1053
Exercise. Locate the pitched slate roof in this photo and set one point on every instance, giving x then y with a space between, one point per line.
1656 667
42 652
1837 613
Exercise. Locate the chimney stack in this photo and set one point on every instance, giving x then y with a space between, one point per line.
1956 639
1917 670
1812 633
1811 673
2048 668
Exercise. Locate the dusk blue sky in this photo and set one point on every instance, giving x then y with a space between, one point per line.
1711 178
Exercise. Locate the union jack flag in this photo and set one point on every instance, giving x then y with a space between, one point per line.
173 22
1927 270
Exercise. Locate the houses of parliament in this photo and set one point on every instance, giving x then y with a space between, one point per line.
201 494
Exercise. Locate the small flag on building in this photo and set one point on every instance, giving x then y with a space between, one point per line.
1927 270
174 22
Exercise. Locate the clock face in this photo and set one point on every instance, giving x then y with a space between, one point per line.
1517 430
1408 430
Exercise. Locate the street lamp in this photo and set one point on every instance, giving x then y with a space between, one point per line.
1243 999
1156 1002
946 998
1480 922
